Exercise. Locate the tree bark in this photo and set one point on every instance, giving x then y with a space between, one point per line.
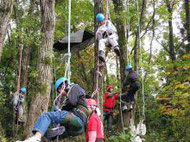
97 76
118 8
171 39
187 24
6 7
40 100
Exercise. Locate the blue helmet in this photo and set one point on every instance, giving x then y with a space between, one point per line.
100 17
128 67
23 90
60 81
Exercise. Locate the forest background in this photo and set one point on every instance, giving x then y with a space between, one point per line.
154 36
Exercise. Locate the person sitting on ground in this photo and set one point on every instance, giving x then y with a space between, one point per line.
109 103
18 100
73 115
132 83
95 130
107 36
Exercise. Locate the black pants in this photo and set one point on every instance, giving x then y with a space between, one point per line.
108 116
129 96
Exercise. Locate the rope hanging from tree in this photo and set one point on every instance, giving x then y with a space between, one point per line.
69 44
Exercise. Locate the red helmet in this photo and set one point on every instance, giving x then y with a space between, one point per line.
109 87
91 102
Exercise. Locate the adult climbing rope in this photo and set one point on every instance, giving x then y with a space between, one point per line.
69 43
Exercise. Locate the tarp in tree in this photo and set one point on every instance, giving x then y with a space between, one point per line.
79 40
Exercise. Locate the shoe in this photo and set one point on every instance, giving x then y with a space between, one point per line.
124 108
117 51
131 107
31 139
54 132
101 55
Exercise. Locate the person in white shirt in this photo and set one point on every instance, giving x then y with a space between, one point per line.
107 36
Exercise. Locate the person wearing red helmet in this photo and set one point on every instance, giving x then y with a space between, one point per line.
95 130
109 103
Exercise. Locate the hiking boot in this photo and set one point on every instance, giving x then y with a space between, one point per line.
31 139
54 132
117 51
101 55
124 108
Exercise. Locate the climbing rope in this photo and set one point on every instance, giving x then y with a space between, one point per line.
15 115
69 43
19 70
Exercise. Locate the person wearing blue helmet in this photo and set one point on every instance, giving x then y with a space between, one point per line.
131 85
71 116
18 100
106 36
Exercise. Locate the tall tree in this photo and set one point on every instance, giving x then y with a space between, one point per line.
6 7
187 24
40 100
118 8
170 5
97 76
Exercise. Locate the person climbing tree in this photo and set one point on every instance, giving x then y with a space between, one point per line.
107 36
109 103
95 130
131 84
73 115
18 100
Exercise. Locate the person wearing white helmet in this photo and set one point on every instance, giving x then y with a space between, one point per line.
131 85
18 100
72 116
95 129
107 36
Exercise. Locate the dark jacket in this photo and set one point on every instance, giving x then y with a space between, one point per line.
131 79
76 102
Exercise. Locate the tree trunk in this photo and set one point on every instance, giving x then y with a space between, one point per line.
6 7
40 100
187 24
171 40
118 8
97 77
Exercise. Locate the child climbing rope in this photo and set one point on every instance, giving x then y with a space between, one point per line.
73 115
107 36
94 132
18 100
132 84
109 103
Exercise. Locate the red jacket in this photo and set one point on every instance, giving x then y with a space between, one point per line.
95 124
109 102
